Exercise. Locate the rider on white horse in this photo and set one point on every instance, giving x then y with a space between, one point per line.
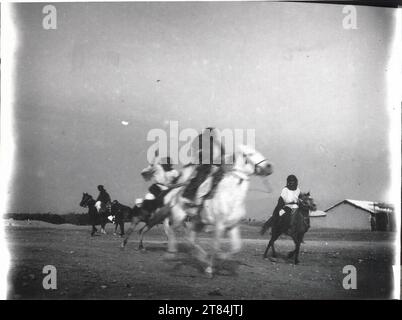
209 154
224 210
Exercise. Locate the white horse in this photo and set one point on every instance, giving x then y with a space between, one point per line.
224 210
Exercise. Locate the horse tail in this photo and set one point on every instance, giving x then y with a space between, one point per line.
266 226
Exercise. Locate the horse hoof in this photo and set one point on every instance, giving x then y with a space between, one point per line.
272 259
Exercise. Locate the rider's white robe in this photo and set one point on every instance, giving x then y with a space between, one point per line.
290 197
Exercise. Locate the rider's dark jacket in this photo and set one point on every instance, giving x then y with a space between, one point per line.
103 197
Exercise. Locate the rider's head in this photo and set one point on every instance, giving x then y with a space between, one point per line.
291 182
167 164
100 187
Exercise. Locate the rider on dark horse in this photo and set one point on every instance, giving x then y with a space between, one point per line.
154 198
287 204
103 197
103 204
210 153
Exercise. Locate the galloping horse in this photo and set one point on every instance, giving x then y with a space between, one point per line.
154 212
295 226
88 201
224 209
120 212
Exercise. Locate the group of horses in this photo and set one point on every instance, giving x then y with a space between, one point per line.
223 210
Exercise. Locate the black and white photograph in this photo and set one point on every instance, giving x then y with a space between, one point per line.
224 151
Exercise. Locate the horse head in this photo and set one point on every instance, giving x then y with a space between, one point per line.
252 162
85 198
307 202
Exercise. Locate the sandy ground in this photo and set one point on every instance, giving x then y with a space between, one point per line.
95 268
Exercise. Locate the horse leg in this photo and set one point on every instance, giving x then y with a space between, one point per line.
271 243
172 247
172 242
166 227
273 249
92 221
292 253
141 229
219 229
134 223
121 228
93 230
235 243
144 230
176 219
115 228
192 236
103 223
299 239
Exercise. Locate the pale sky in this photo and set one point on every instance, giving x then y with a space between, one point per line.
314 92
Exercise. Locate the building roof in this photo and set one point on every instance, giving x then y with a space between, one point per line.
368 206
317 213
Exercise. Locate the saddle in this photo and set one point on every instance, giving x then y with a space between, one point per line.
151 205
203 185
216 177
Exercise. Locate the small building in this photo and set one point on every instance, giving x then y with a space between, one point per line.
356 215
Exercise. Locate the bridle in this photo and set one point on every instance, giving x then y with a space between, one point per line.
242 175
257 164
303 205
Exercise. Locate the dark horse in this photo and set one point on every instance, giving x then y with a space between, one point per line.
151 213
120 212
294 225
88 201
